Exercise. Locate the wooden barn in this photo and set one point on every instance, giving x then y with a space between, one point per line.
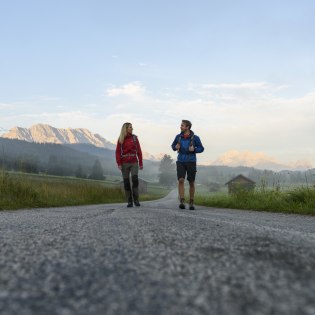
143 186
240 182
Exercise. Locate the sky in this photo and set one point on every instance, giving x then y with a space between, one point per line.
243 71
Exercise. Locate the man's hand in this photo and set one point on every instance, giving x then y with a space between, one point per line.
191 148
141 167
177 146
119 166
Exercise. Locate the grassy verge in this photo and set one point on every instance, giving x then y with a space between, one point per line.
299 200
28 191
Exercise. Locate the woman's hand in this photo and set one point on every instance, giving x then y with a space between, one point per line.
119 166
141 167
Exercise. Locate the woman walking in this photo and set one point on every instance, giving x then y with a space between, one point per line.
129 160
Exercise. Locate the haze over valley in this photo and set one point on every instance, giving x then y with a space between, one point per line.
44 133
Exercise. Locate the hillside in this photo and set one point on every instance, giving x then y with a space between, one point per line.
62 160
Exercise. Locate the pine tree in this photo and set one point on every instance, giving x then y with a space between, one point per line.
167 175
79 172
97 171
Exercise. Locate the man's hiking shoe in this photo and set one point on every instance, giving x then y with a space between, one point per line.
191 205
137 203
130 204
182 204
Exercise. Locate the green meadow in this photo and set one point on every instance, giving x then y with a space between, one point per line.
21 190
298 200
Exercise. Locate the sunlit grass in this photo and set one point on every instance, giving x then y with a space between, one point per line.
19 190
300 200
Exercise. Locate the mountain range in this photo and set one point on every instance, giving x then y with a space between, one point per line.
43 133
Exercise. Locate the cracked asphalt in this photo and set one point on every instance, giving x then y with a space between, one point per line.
156 259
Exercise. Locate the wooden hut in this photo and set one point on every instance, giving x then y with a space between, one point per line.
240 182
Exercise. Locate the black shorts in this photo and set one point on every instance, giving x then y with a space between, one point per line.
186 167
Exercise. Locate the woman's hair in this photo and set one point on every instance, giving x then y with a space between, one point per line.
123 132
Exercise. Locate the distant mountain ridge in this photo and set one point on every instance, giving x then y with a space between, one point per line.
43 133
259 160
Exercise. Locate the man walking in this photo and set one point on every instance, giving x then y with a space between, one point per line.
187 144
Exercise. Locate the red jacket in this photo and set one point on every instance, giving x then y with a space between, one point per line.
129 151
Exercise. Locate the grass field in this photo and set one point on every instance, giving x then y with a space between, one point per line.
299 200
20 190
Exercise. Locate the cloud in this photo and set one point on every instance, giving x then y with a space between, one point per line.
133 89
249 116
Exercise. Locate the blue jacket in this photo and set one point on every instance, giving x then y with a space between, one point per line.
184 155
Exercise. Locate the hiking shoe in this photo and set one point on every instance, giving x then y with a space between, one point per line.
130 204
191 205
182 204
137 203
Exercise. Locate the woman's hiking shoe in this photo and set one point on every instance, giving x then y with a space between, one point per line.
137 203
191 205
182 204
130 204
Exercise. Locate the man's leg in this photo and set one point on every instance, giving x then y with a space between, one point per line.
181 174
191 176
191 190
191 195
181 192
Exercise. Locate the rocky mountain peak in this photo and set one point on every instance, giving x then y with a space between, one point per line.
43 133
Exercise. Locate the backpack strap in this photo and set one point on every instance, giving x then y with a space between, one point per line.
192 140
179 138
134 137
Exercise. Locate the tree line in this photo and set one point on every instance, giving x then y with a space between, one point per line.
65 160
215 177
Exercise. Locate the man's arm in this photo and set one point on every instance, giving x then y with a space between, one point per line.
175 144
198 145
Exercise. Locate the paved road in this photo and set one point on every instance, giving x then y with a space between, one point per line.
156 259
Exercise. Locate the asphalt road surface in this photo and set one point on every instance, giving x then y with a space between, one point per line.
156 259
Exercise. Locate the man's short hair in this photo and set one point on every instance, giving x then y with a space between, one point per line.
187 123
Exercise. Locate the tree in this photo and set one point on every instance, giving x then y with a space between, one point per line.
97 171
167 175
55 166
79 173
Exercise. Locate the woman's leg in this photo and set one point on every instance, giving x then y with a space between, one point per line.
126 178
135 183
